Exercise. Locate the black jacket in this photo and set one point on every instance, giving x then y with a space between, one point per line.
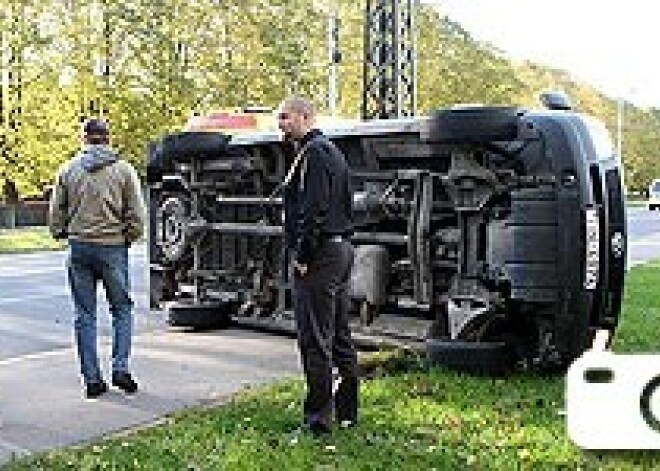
319 206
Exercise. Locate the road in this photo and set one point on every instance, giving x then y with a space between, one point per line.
36 309
643 235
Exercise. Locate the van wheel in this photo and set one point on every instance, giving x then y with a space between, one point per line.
172 235
161 287
482 358
202 316
474 125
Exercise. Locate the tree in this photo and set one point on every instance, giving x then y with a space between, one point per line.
148 65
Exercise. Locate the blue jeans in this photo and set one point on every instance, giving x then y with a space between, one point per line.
87 264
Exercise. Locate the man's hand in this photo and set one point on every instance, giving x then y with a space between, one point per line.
302 268
59 235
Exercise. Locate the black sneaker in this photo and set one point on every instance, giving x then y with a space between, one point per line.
125 382
318 429
96 389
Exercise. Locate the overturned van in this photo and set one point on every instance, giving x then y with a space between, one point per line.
488 236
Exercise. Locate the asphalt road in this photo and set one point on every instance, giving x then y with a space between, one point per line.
36 309
643 235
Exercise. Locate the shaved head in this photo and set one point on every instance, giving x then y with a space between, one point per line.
296 116
300 105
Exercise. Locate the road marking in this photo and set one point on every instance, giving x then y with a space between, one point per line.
32 298
104 342
16 272
65 293
34 356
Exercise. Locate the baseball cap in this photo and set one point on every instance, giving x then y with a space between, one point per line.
95 126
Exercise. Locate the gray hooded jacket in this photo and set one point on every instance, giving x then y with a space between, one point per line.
97 198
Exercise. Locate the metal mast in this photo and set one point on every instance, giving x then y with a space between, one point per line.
389 60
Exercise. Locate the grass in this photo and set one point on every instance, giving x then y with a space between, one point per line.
640 317
27 240
411 418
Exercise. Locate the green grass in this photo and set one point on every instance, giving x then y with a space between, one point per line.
640 316
27 240
414 419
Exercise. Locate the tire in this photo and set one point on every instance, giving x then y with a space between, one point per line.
200 316
153 201
171 234
186 146
155 289
474 125
488 358
161 287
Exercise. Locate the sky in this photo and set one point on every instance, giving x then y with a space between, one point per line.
611 44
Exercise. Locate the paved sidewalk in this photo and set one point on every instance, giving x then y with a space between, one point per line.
41 398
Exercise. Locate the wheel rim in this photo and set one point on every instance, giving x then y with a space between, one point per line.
171 227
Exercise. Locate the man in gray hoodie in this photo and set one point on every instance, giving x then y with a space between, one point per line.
97 205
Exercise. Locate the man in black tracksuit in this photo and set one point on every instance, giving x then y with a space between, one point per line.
318 221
